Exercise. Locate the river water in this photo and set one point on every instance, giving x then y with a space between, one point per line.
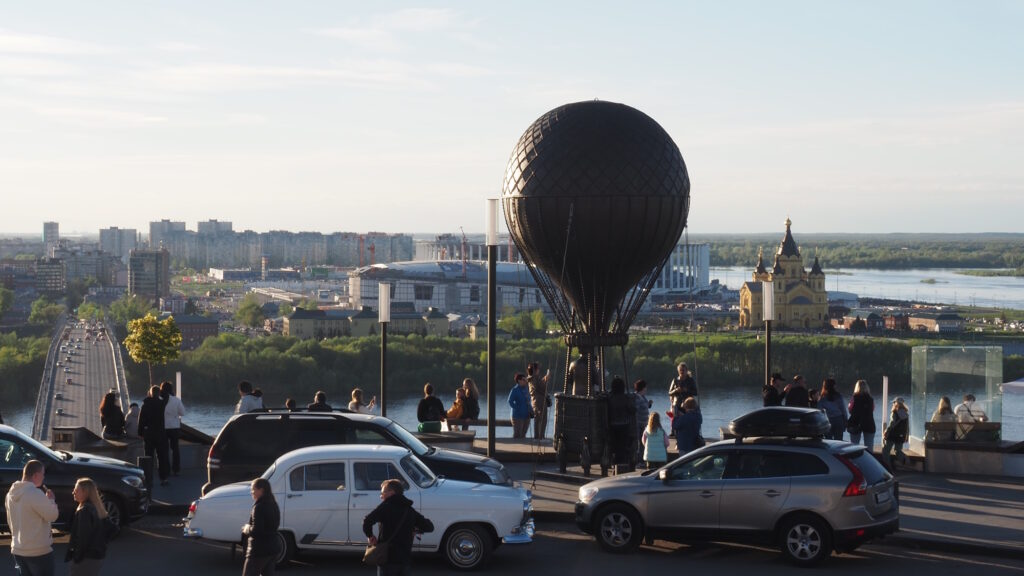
934 285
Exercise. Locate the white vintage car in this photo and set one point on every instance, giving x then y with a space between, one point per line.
324 492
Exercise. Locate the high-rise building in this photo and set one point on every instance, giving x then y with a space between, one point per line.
51 235
213 227
158 231
149 274
50 279
119 241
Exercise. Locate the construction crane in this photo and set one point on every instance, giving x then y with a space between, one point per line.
465 246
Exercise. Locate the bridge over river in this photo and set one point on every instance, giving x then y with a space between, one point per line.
83 364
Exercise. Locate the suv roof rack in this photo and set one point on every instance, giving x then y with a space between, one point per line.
785 422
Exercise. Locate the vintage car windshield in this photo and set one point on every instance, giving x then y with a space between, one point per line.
418 448
417 471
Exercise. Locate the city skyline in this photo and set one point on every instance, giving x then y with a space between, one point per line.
339 116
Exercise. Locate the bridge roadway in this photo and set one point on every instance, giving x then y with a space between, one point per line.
80 371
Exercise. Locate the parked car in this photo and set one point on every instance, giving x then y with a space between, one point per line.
807 495
248 443
120 483
324 492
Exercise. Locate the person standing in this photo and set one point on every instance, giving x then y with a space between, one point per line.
131 421
771 393
319 403
655 442
795 393
87 546
831 402
643 411
896 433
621 424
538 386
472 409
261 531
681 387
30 511
519 402
111 417
862 415
357 405
247 402
399 521
430 408
686 426
174 411
151 428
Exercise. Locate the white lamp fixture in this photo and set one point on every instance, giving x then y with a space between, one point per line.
768 297
384 302
492 221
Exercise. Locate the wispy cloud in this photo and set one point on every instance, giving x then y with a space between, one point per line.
178 47
12 67
99 117
390 32
18 43
383 74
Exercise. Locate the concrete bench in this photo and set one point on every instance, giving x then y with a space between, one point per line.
963 432
452 423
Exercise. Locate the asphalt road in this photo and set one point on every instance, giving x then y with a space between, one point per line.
91 370
154 547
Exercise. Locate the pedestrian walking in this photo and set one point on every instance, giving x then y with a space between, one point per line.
896 433
519 402
771 393
681 387
87 546
151 428
795 393
357 404
862 415
263 545
831 402
111 417
539 399
30 511
643 410
247 402
399 522
319 403
174 411
655 442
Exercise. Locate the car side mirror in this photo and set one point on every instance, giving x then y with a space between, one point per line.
663 475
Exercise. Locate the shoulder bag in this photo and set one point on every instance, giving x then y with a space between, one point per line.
377 555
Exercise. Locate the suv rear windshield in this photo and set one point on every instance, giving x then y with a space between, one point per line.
872 470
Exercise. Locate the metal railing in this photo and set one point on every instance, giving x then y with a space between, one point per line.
44 402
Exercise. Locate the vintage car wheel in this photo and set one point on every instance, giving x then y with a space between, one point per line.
618 528
286 549
805 540
467 546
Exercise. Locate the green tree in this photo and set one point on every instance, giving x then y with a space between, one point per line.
44 311
307 304
6 300
524 324
129 307
285 309
249 311
90 311
153 341
77 290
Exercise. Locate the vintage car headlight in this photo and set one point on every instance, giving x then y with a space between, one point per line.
587 493
133 481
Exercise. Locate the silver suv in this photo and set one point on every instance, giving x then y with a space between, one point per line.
807 495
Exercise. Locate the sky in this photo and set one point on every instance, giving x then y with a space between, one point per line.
867 116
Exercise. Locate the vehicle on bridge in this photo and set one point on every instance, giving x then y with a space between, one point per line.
778 482
324 492
120 483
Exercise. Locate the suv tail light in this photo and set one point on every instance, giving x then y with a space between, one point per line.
213 458
859 485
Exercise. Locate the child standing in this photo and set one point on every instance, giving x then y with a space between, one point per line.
655 442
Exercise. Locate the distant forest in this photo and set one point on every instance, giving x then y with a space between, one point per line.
882 251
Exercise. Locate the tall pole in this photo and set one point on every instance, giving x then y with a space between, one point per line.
384 317
768 312
768 352
492 317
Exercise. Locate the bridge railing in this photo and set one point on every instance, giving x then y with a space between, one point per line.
44 402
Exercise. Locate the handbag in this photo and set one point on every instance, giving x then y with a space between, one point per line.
547 401
377 555
853 427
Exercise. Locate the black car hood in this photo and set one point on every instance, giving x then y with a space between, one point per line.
447 455
112 464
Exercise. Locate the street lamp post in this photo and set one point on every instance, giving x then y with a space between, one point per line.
768 311
492 296
384 317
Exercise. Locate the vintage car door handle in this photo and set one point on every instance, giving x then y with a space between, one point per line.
358 494
295 495
707 494
773 493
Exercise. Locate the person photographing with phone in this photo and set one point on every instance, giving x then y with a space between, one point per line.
30 511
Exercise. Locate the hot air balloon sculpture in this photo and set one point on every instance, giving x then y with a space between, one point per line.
595 196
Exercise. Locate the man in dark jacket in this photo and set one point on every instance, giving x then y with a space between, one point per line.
151 428
795 394
399 522
430 408
770 392
319 403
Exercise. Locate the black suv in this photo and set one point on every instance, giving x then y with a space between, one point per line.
120 483
249 443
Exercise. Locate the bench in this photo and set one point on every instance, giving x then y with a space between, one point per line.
983 432
455 422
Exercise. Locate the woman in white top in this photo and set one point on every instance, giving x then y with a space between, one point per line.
357 405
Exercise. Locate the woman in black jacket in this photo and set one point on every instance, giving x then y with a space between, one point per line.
264 519
862 415
153 431
399 522
111 417
88 544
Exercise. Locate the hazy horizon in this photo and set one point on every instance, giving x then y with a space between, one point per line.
352 116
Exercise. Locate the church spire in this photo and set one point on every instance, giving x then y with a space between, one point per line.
788 246
760 262
816 269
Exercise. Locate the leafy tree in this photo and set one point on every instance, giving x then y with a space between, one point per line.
90 311
77 290
44 311
308 304
6 300
129 307
249 311
285 309
524 324
153 341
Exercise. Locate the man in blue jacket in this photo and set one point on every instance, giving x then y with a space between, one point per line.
519 401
